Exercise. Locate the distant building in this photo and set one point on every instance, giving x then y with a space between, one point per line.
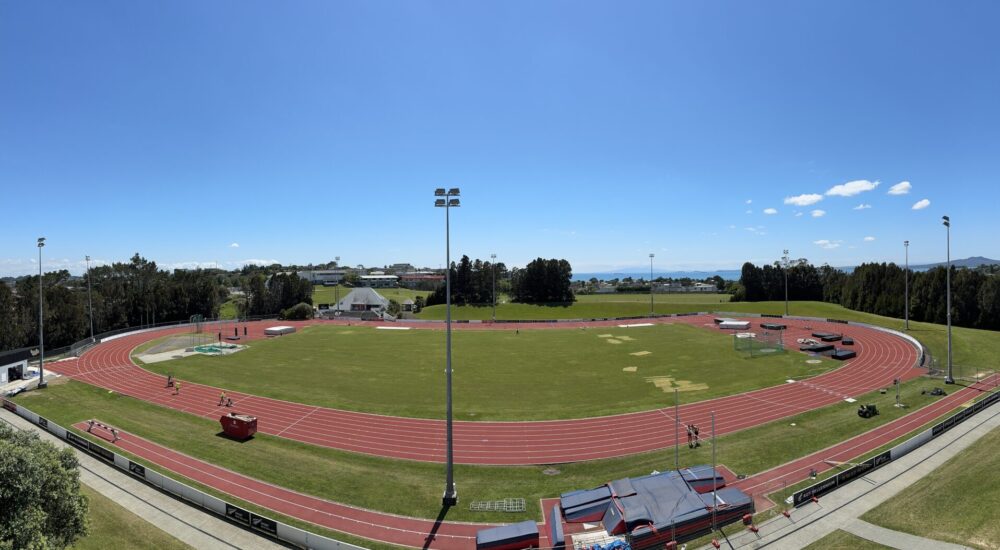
703 287
379 281
401 268
325 276
362 299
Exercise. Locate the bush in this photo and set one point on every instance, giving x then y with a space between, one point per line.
298 312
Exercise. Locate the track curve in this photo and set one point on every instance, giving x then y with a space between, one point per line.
881 358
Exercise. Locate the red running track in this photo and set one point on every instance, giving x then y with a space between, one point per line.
415 532
881 358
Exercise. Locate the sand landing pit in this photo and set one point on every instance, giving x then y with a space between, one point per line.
668 384
605 335
630 369
641 353
613 341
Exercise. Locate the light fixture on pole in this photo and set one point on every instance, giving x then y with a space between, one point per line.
906 287
949 379
41 319
651 284
784 260
90 302
446 201
493 266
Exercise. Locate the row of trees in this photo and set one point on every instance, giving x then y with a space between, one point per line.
132 293
472 283
879 288
263 296
136 293
541 281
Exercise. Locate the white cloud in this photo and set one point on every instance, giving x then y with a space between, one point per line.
901 188
869 239
732 227
749 201
749 211
851 188
234 245
921 204
798 214
862 206
770 211
818 213
827 244
804 200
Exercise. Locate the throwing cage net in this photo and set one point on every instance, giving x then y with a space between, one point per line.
760 343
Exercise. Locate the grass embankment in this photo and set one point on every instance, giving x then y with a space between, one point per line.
957 503
412 488
553 374
842 540
113 526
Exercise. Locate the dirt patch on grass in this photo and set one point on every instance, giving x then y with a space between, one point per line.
641 353
630 369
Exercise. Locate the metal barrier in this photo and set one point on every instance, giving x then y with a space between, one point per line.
261 525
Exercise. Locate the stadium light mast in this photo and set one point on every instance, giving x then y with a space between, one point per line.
446 201
947 223
90 301
41 319
651 284
493 265
784 260
906 286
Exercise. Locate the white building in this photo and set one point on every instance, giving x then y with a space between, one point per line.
362 299
325 276
380 281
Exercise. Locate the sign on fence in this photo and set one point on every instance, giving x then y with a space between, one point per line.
238 515
264 525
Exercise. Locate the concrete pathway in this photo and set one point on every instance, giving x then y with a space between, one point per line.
194 527
895 539
841 508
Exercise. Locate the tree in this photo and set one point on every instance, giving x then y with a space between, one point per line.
40 505
543 281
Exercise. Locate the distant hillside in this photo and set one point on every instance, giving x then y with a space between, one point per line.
974 261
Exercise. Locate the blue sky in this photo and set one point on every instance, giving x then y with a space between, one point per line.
593 131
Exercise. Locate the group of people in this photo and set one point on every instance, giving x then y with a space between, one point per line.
692 432
176 385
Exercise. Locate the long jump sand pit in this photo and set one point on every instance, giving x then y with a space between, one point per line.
669 384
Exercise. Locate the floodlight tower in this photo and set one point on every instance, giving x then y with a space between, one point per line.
41 319
906 286
90 302
446 201
651 284
949 379
493 266
785 261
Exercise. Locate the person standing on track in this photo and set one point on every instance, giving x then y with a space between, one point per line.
177 388
222 398
170 380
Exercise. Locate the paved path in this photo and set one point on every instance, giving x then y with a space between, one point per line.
194 527
841 508
881 358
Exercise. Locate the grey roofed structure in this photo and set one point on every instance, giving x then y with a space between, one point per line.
362 299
